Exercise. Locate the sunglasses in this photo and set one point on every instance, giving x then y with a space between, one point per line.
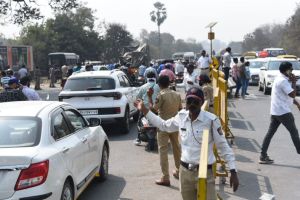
194 101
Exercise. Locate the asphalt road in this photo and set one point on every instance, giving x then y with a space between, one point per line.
133 170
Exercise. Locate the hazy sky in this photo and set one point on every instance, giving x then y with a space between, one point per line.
188 18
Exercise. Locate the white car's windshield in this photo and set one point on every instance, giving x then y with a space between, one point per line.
82 84
274 65
19 132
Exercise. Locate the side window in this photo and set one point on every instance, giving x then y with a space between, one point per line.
126 81
60 127
77 122
122 82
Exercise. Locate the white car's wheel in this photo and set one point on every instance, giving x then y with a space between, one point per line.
67 192
260 88
104 165
125 122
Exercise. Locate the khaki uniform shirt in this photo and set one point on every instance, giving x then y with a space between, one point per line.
168 103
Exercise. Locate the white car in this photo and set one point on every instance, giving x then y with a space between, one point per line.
108 95
49 151
255 65
270 70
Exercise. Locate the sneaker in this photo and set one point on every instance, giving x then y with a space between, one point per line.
247 93
137 142
265 160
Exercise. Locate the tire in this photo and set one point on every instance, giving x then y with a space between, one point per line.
125 122
265 89
103 171
136 116
67 192
259 87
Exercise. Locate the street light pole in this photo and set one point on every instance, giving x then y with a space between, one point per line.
211 35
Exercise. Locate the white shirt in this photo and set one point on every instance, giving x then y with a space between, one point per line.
22 72
191 135
31 94
190 77
226 59
281 102
203 62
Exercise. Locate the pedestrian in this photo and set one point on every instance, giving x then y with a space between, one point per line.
142 69
89 67
151 68
190 78
151 83
203 63
168 72
167 104
179 68
23 71
244 76
4 79
52 77
64 75
77 68
31 94
282 97
208 91
226 63
236 76
191 122
12 93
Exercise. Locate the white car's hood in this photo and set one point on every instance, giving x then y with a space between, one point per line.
254 71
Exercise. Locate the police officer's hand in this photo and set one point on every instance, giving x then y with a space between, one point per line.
139 104
234 181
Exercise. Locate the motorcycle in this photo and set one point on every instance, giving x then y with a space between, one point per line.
147 133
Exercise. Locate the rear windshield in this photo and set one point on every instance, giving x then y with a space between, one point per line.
81 84
274 65
256 64
19 132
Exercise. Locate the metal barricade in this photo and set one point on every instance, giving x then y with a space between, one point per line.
202 173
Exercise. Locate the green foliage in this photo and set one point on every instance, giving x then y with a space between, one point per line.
21 11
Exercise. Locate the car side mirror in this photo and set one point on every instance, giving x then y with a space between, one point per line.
94 122
263 68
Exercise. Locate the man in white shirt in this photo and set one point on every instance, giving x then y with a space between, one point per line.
31 94
191 122
226 62
190 78
203 63
282 97
179 67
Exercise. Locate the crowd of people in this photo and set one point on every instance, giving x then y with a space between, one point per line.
15 86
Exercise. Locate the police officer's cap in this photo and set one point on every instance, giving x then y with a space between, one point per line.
195 93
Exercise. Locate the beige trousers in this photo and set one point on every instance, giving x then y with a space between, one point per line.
163 141
189 184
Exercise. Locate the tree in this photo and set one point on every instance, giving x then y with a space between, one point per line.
115 39
20 11
158 16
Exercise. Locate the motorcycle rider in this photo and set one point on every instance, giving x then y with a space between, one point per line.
149 85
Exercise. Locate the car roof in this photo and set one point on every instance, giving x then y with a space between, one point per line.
27 108
95 73
257 59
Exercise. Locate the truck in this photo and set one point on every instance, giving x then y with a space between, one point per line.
14 56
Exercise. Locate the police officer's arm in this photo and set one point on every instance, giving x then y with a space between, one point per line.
170 125
226 152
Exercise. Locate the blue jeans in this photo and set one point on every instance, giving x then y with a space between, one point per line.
245 83
238 86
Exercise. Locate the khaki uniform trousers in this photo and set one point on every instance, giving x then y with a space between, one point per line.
163 141
189 184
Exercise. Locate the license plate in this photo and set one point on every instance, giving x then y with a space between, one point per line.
89 112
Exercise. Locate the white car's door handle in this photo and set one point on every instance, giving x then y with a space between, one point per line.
65 149
84 140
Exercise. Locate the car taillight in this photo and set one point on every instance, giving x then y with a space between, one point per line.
117 96
118 110
33 176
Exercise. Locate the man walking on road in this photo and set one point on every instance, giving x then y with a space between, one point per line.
191 122
167 103
203 63
282 97
226 62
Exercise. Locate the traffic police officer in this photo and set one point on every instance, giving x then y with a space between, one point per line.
168 103
191 123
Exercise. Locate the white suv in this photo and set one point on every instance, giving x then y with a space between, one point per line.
107 95
270 70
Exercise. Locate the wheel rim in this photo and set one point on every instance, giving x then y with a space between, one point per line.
67 194
105 161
